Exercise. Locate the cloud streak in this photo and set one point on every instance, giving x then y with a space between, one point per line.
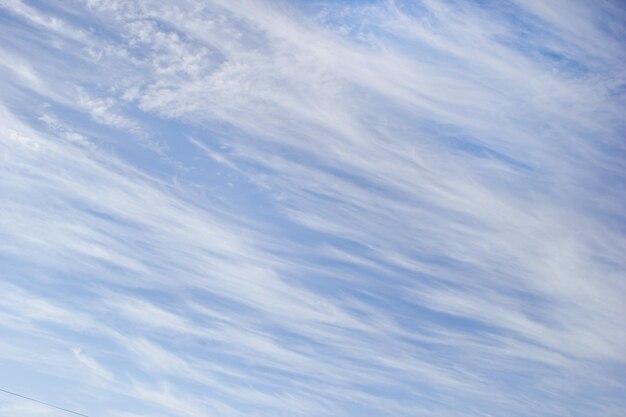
261 208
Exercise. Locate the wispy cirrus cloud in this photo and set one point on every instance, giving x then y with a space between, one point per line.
381 208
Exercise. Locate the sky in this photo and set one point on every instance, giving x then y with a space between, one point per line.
227 208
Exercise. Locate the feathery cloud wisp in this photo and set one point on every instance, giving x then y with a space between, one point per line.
313 209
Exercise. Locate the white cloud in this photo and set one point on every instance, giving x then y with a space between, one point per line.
92 364
402 209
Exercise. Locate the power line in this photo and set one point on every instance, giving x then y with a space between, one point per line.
44 403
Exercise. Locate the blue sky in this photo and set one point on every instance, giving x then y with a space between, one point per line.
313 208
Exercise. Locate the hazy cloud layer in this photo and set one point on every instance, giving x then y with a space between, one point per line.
250 208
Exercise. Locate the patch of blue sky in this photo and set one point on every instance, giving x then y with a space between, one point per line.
474 148
549 57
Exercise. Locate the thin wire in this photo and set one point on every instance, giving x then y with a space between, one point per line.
44 403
